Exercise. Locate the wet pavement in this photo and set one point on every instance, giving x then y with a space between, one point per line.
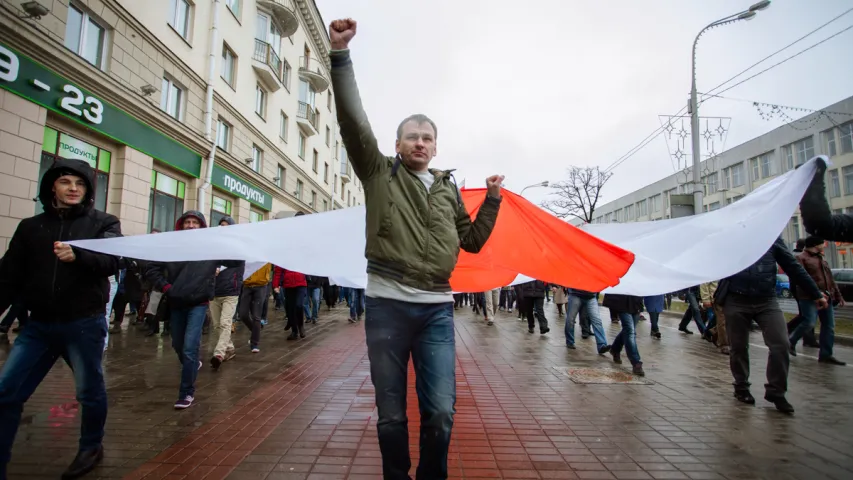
527 408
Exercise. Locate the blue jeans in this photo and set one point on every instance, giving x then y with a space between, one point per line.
186 340
628 337
590 306
356 302
693 312
40 344
312 303
394 330
810 314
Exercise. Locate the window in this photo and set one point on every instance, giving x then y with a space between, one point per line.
800 151
326 173
166 204
57 145
172 99
260 101
298 192
179 17
336 183
285 73
229 65
315 164
655 203
313 199
834 184
85 37
711 183
714 206
223 135
255 216
737 175
344 169
795 228
257 158
325 205
329 101
847 173
846 133
301 146
220 209
762 166
629 213
829 140
343 191
349 199
642 208
280 176
755 172
282 127
328 136
234 6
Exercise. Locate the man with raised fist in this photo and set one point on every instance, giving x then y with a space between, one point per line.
416 224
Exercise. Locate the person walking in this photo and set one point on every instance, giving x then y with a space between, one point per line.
416 224
751 295
586 304
255 293
66 290
654 305
226 293
561 298
534 303
627 309
188 287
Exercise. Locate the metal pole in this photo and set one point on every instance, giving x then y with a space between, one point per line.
694 136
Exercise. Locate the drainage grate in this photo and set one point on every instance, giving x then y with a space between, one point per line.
602 376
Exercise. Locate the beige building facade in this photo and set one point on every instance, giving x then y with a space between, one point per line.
144 90
731 175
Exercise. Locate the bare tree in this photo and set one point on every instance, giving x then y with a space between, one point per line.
578 196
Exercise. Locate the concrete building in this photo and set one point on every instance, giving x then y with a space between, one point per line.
143 90
737 171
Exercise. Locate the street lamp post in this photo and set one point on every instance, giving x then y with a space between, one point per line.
540 184
693 105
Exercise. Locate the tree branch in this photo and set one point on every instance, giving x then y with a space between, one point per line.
577 196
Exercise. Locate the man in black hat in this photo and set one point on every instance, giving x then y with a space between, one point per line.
66 290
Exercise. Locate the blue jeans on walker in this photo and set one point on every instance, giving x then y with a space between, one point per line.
810 314
186 340
627 337
590 306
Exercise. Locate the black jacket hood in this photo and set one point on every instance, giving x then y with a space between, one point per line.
228 220
61 167
179 225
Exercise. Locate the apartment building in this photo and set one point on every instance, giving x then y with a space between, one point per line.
731 175
144 90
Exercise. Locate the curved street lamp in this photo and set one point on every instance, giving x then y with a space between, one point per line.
693 105
540 184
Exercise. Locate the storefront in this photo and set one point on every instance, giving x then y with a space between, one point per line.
85 126
230 184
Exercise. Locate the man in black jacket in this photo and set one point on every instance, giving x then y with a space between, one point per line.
188 287
229 282
534 302
66 289
751 295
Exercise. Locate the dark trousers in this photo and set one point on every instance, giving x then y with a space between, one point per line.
740 311
692 313
119 306
251 308
809 338
265 302
81 344
294 306
396 330
535 307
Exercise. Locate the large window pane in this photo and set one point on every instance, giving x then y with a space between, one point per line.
94 48
163 216
73 29
101 190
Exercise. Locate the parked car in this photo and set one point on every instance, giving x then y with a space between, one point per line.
783 286
844 279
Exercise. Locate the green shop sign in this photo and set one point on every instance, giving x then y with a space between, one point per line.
28 79
235 185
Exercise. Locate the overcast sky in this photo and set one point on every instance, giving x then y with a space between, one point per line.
526 89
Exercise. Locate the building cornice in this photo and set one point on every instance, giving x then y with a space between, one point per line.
316 31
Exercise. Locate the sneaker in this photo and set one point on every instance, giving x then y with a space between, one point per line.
781 403
656 334
638 370
255 349
215 362
185 402
530 330
745 397
831 361
263 321
571 347
617 357
792 350
544 331
604 349
685 330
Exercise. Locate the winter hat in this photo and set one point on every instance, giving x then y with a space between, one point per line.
800 245
813 241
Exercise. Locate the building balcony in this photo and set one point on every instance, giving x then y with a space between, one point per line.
267 65
284 12
314 72
306 118
346 172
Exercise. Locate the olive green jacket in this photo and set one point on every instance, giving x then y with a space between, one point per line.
413 235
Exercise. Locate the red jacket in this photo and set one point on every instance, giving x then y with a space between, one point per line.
291 279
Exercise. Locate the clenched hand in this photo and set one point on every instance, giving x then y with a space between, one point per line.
341 32
64 252
493 185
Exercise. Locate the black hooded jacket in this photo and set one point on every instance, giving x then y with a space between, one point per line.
30 271
229 282
187 284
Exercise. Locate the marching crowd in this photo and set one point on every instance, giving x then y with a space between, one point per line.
416 226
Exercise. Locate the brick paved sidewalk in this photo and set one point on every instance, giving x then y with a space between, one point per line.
305 410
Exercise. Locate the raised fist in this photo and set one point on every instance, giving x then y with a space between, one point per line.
341 32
